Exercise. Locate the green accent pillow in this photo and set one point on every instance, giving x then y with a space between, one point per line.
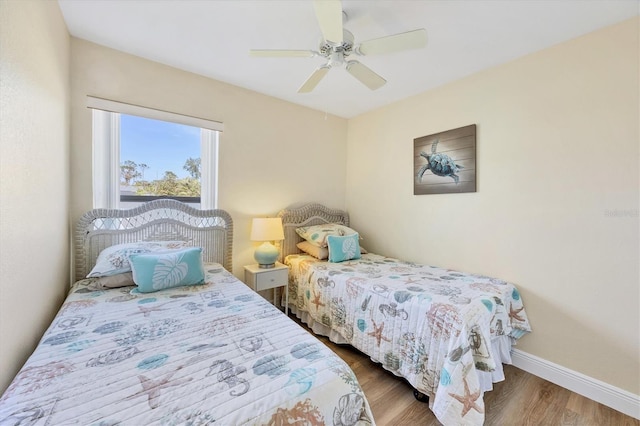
159 271
343 248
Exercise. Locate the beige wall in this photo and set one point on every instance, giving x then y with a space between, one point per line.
557 153
272 153
34 175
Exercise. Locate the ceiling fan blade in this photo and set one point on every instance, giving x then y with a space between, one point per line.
314 79
415 39
329 14
265 53
367 77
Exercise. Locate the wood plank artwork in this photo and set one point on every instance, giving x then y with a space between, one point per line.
445 162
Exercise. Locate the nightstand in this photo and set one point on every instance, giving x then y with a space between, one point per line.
265 278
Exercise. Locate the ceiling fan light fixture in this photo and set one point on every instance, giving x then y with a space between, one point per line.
327 47
336 59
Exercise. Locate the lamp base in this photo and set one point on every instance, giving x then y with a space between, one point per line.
266 266
266 255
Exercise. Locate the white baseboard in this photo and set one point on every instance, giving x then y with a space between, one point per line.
591 388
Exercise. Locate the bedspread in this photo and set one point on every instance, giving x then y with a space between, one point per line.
429 325
216 352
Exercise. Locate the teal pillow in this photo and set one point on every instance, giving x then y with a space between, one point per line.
158 271
343 248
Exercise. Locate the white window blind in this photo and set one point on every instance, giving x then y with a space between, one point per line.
156 114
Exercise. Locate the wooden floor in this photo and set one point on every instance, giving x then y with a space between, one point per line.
522 399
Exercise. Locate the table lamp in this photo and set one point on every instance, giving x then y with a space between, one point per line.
266 229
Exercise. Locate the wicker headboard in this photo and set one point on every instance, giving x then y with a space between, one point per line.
159 220
306 215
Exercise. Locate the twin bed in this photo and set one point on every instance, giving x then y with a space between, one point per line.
446 332
210 353
217 352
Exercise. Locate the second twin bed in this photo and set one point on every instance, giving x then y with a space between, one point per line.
446 332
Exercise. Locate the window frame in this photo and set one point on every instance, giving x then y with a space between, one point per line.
106 152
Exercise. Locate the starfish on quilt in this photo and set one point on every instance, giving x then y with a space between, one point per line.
146 310
513 313
468 400
377 333
316 300
152 387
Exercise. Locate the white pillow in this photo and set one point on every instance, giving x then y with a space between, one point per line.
115 259
317 234
319 252
315 251
115 281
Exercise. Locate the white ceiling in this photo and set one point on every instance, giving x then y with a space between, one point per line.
213 37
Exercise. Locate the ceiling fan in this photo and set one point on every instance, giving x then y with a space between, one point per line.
338 44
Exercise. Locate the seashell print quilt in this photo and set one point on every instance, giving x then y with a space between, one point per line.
432 326
216 353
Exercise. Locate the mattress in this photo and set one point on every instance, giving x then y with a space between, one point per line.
214 353
444 331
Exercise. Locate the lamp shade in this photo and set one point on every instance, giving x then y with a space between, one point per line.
267 229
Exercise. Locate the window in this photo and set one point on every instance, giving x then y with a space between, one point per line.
158 159
141 154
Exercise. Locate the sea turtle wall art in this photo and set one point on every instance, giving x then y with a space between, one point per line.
445 162
440 164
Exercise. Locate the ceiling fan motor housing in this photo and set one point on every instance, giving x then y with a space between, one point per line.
336 52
